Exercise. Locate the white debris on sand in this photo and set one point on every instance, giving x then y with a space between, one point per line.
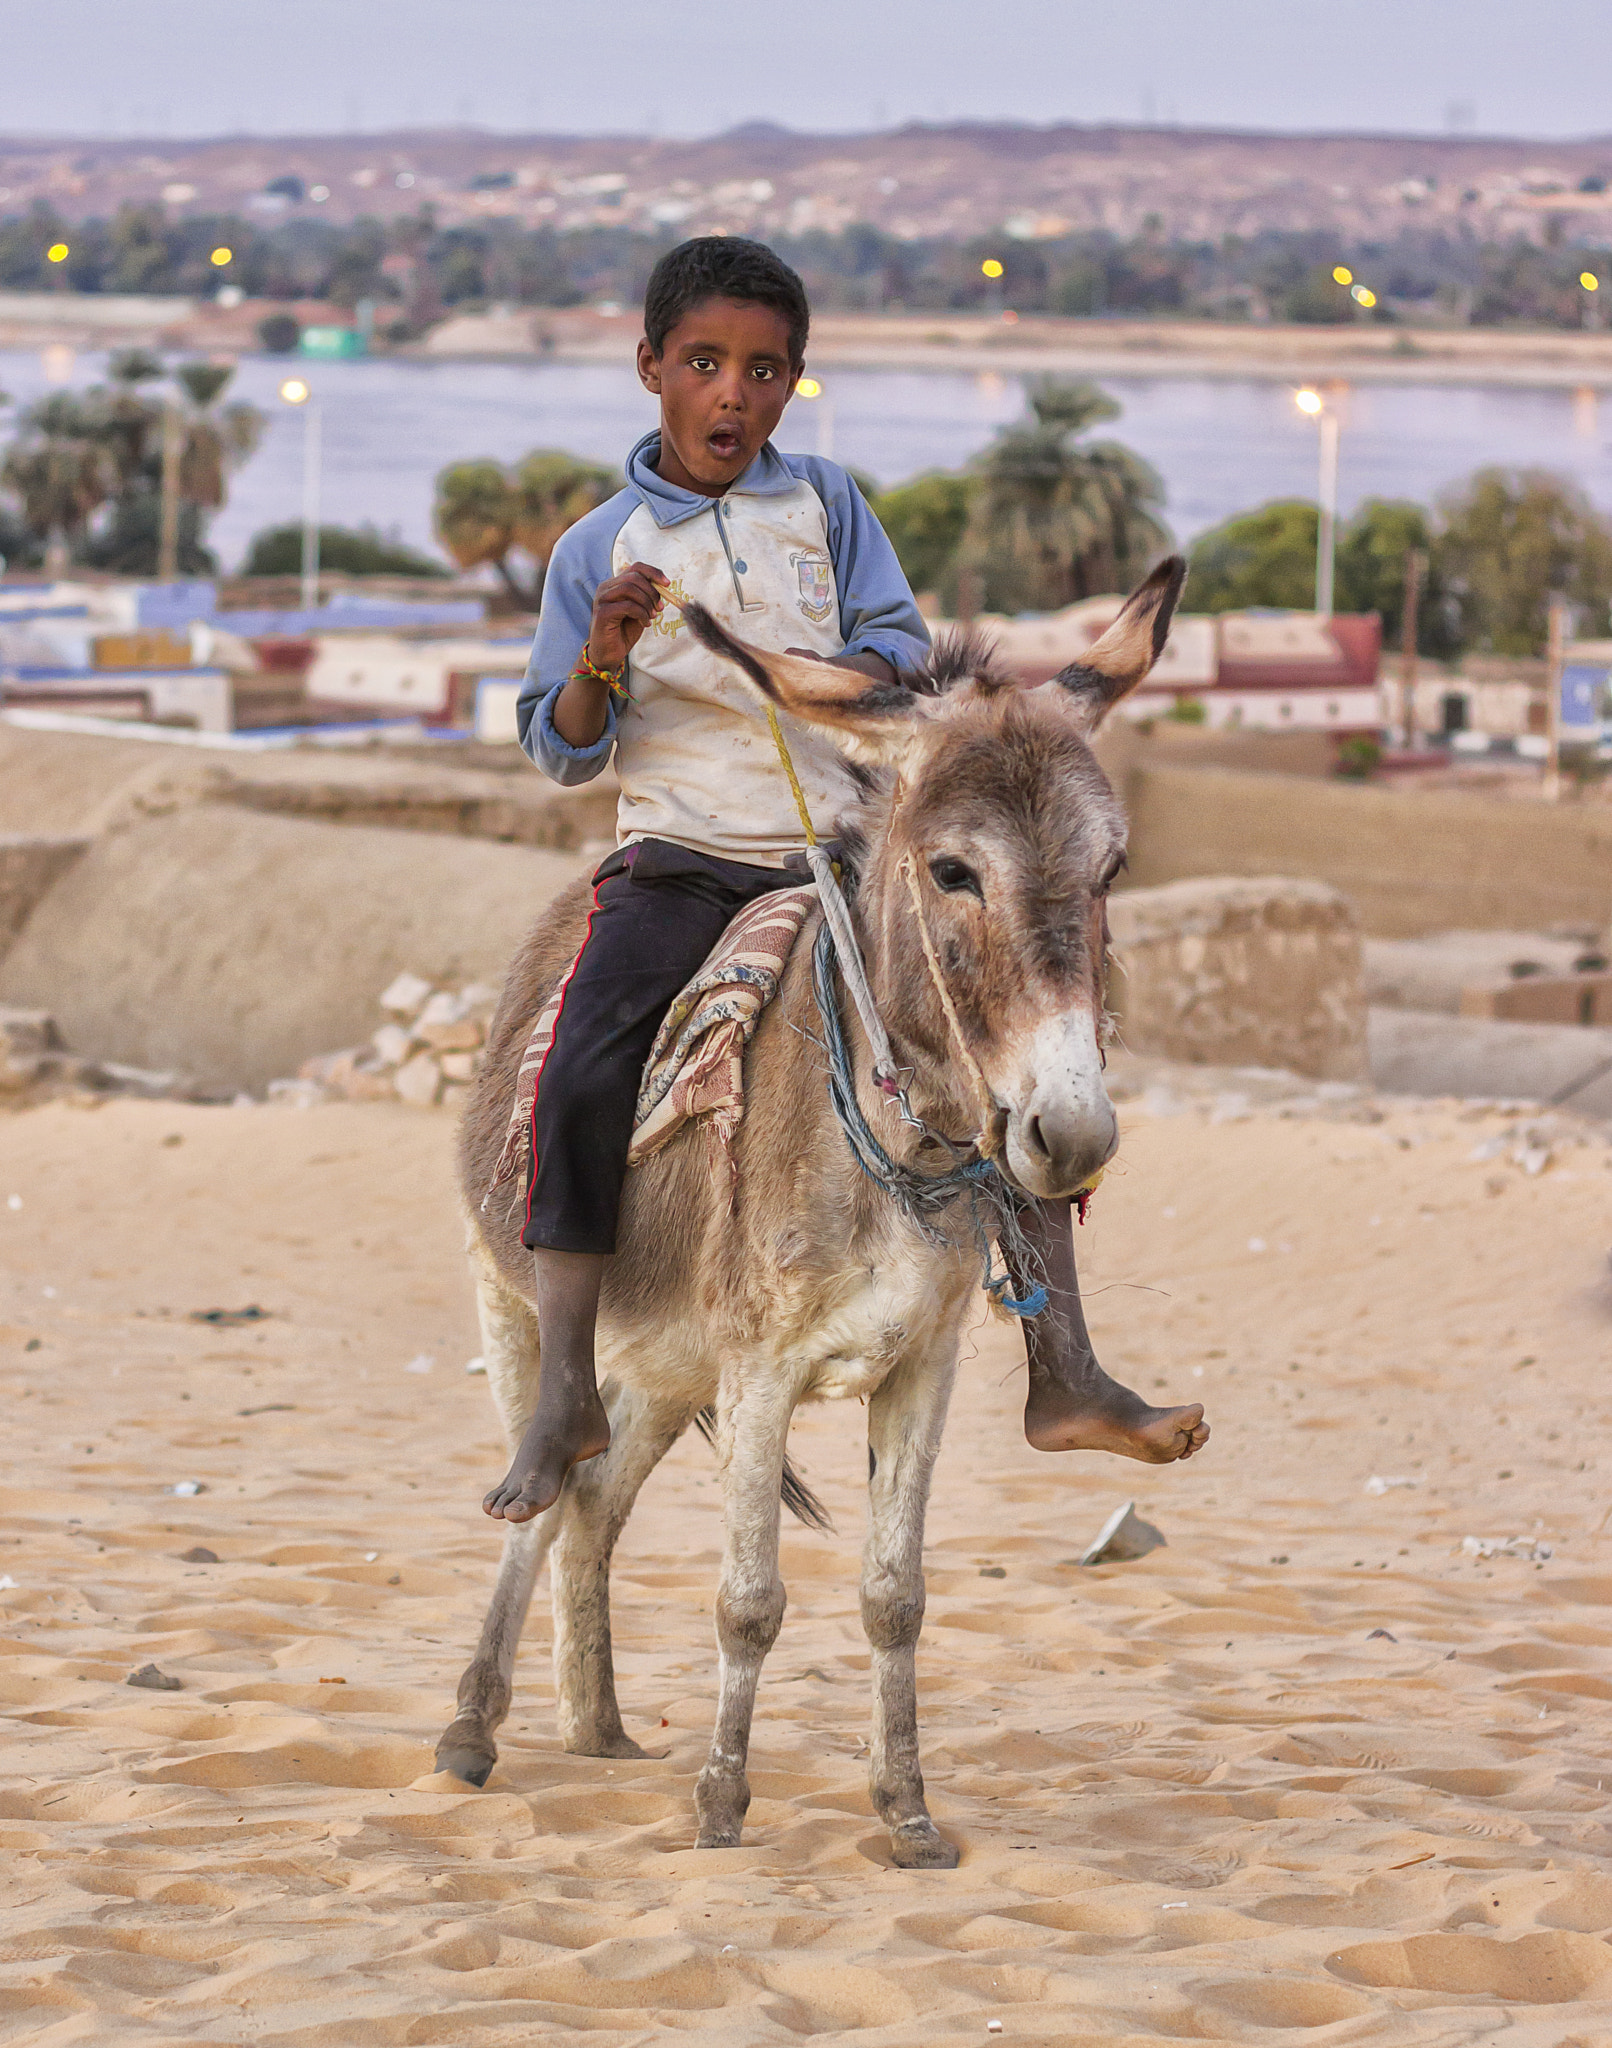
1528 1548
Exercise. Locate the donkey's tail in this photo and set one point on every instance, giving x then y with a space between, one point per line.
796 1495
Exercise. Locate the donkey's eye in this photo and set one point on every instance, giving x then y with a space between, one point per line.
1116 867
955 876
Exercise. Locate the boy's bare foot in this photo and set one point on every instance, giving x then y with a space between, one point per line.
569 1425
1073 1404
551 1446
1101 1415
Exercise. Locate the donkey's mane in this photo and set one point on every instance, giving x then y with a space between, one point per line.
963 655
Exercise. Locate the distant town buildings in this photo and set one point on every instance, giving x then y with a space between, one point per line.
914 182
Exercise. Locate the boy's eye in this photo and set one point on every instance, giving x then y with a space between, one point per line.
702 362
763 374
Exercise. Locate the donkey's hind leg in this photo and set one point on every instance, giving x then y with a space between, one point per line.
594 1507
905 1419
509 1346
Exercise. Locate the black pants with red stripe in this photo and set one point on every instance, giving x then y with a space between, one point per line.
658 909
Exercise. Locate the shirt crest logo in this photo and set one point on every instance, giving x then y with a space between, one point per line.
668 621
816 578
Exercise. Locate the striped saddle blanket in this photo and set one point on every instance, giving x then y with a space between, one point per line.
695 1070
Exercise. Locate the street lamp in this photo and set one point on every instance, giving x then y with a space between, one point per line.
808 387
296 391
1310 402
993 271
1590 284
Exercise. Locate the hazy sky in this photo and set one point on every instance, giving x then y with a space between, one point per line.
193 67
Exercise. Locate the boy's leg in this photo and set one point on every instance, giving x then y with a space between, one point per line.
646 936
1073 1404
569 1423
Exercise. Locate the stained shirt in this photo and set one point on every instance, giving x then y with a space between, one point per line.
788 556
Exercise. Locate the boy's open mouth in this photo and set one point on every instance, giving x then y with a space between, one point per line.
724 442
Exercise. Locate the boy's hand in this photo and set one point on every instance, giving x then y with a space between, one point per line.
622 607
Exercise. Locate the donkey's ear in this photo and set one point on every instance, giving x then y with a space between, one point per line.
1114 665
871 721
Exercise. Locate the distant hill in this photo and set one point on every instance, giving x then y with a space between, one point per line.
916 181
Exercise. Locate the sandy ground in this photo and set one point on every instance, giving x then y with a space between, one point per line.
1201 1796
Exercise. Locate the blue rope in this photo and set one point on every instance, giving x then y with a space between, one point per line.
922 1196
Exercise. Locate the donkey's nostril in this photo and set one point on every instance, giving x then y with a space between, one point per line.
1036 1138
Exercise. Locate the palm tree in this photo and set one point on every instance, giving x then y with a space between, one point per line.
483 512
1057 517
213 440
61 471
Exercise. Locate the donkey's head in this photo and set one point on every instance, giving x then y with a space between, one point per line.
989 839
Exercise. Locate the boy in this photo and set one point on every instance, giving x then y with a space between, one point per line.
785 549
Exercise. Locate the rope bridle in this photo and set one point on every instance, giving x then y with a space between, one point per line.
994 1204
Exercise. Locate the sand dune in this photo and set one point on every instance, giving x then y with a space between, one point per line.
1200 1796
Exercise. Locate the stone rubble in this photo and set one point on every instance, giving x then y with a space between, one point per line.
427 1052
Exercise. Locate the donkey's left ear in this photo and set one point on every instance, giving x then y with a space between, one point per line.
871 721
1114 665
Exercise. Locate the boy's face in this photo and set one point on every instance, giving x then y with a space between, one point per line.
723 378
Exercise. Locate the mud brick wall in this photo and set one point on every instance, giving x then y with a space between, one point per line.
1247 973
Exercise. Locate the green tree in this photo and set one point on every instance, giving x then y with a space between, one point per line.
1508 539
484 512
1371 566
1056 517
1264 557
344 550
925 521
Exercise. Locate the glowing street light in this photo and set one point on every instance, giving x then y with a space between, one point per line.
992 268
1311 403
58 252
1343 275
809 387
297 392
1363 296
1589 280
220 257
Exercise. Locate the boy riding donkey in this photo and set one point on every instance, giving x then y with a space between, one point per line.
784 549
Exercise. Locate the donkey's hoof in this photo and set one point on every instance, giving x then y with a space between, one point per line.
619 1746
718 1838
919 1845
473 1765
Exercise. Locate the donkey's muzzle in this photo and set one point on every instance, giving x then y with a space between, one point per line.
1061 1126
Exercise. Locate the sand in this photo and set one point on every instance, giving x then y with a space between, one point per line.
1199 1796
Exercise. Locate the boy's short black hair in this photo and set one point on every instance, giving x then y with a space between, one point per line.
724 267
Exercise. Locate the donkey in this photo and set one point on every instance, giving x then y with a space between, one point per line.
978 861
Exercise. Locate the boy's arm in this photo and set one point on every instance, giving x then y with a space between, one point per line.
566 720
880 622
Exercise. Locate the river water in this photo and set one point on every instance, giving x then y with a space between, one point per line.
1220 445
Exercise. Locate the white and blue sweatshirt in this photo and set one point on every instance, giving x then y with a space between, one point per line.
788 556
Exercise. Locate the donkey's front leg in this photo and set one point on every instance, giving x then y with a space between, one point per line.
749 1600
905 1420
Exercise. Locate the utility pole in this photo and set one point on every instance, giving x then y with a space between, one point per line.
310 508
168 535
1414 563
1555 649
1327 527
